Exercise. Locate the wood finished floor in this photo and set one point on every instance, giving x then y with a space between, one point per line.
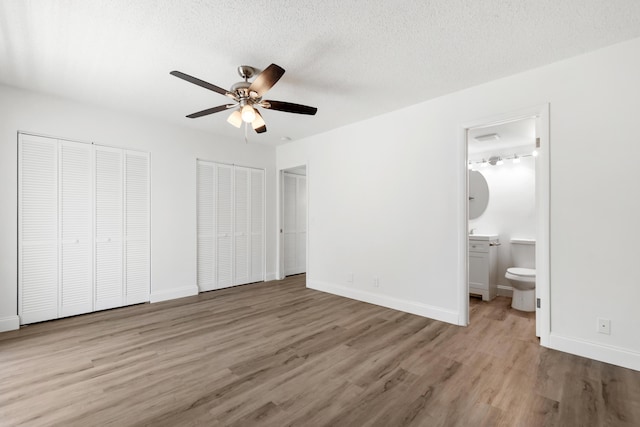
277 354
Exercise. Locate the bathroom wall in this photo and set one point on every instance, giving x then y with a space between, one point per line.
511 210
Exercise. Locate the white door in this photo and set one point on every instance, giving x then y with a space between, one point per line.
83 228
137 244
230 225
205 222
109 171
257 225
294 224
301 224
224 225
242 232
75 228
37 229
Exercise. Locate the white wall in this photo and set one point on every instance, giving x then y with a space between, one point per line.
173 183
386 198
511 212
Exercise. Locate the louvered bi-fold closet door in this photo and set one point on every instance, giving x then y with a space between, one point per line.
109 171
75 227
257 225
206 226
137 242
37 229
224 225
230 225
242 232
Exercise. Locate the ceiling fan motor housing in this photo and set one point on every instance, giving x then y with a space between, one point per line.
246 71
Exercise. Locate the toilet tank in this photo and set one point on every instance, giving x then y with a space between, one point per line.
523 253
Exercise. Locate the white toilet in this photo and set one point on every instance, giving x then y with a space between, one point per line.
523 276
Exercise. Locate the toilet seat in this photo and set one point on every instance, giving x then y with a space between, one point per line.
521 272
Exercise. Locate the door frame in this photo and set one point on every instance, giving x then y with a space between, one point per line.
542 194
280 272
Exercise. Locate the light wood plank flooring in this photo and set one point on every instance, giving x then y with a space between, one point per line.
277 354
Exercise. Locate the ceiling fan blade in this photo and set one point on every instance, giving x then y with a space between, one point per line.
201 83
258 123
289 107
210 111
266 79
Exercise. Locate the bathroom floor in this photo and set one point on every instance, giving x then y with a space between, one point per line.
499 309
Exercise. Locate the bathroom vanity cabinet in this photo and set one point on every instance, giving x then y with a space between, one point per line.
483 265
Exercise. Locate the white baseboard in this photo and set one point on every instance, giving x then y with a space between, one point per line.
269 277
597 351
505 291
432 312
184 291
9 323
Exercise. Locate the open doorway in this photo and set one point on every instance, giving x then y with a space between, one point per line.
502 222
507 226
293 228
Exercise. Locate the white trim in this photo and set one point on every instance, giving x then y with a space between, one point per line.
543 314
602 352
199 159
42 135
429 311
505 291
270 276
9 323
169 294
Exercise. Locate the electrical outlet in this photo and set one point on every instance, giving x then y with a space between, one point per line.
604 326
376 282
350 278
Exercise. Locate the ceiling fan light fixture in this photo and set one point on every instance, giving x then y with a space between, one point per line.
258 122
235 119
248 113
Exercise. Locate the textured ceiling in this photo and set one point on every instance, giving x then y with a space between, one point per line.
351 59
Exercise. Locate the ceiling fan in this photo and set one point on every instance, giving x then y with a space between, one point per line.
247 96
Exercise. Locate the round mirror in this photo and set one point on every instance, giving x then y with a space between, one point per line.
478 194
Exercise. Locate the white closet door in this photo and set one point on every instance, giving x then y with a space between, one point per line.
301 224
76 228
206 226
242 232
37 229
224 225
137 239
109 288
257 225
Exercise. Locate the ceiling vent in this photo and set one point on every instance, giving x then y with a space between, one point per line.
487 137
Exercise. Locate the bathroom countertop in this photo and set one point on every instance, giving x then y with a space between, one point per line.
477 236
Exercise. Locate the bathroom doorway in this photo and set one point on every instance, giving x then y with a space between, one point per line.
506 229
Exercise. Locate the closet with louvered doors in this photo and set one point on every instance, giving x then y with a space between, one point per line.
80 246
230 225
